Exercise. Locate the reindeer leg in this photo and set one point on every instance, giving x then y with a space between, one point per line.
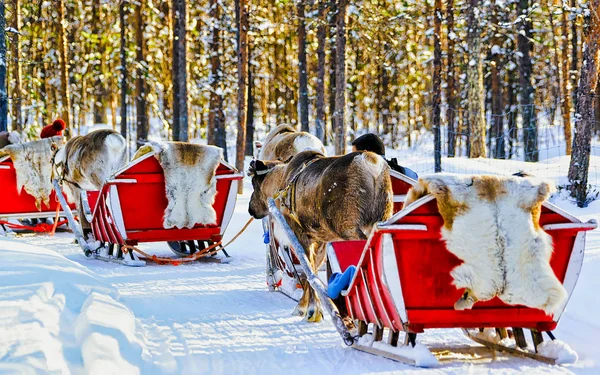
315 311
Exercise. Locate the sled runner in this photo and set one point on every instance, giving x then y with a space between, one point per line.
402 282
130 207
15 205
283 266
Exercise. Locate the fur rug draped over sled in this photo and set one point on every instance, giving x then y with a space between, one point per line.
33 166
492 224
190 181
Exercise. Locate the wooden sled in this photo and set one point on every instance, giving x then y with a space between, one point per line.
403 284
283 267
129 210
15 205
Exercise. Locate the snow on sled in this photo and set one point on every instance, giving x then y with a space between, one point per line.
402 282
283 266
130 209
15 204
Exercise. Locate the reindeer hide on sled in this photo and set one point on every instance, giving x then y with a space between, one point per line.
491 223
190 181
33 166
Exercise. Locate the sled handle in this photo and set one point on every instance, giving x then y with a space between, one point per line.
592 224
122 181
314 281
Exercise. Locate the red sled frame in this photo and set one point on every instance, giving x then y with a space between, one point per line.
403 281
15 205
129 210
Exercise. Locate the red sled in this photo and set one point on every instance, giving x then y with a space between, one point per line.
129 210
282 263
403 283
15 205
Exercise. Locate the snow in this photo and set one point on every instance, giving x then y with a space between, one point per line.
558 350
61 312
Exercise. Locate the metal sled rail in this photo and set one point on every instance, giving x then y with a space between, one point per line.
314 281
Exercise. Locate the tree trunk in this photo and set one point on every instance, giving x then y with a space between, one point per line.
3 97
302 68
250 104
584 124
332 64
497 95
142 126
340 79
242 96
98 53
122 12
566 83
180 105
17 95
524 40
437 84
476 97
64 65
450 88
574 49
215 106
321 36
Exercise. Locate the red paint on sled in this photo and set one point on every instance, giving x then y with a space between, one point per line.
415 292
130 207
20 205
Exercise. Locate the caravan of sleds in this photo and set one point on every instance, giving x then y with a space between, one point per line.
486 254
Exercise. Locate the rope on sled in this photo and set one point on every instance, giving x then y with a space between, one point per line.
190 258
38 228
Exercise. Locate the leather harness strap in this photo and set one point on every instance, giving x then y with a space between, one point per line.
289 192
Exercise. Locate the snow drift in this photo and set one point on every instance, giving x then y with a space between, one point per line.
58 317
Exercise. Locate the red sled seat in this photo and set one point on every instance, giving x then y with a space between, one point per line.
130 207
403 280
20 205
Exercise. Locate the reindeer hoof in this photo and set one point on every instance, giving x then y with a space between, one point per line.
466 302
314 316
299 311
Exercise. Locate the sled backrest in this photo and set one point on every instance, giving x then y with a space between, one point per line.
406 265
401 184
141 190
15 204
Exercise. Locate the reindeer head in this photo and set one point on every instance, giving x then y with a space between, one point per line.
265 182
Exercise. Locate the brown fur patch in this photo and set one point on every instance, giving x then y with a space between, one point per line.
536 207
448 207
489 187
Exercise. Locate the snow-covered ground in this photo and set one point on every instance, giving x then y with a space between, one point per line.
60 312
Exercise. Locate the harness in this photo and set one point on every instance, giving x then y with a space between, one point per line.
287 195
65 168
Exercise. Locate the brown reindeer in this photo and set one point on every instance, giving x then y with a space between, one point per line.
323 199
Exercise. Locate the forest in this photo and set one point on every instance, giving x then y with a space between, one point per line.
486 78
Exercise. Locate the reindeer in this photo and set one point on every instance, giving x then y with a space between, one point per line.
323 199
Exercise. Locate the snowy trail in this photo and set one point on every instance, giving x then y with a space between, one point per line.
220 318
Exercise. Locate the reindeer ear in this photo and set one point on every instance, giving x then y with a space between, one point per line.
257 168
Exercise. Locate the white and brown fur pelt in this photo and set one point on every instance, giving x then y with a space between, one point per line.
328 199
491 223
190 181
33 167
86 162
283 142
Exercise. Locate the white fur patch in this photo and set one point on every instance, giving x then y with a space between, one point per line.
308 142
190 189
14 138
366 163
504 253
33 167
